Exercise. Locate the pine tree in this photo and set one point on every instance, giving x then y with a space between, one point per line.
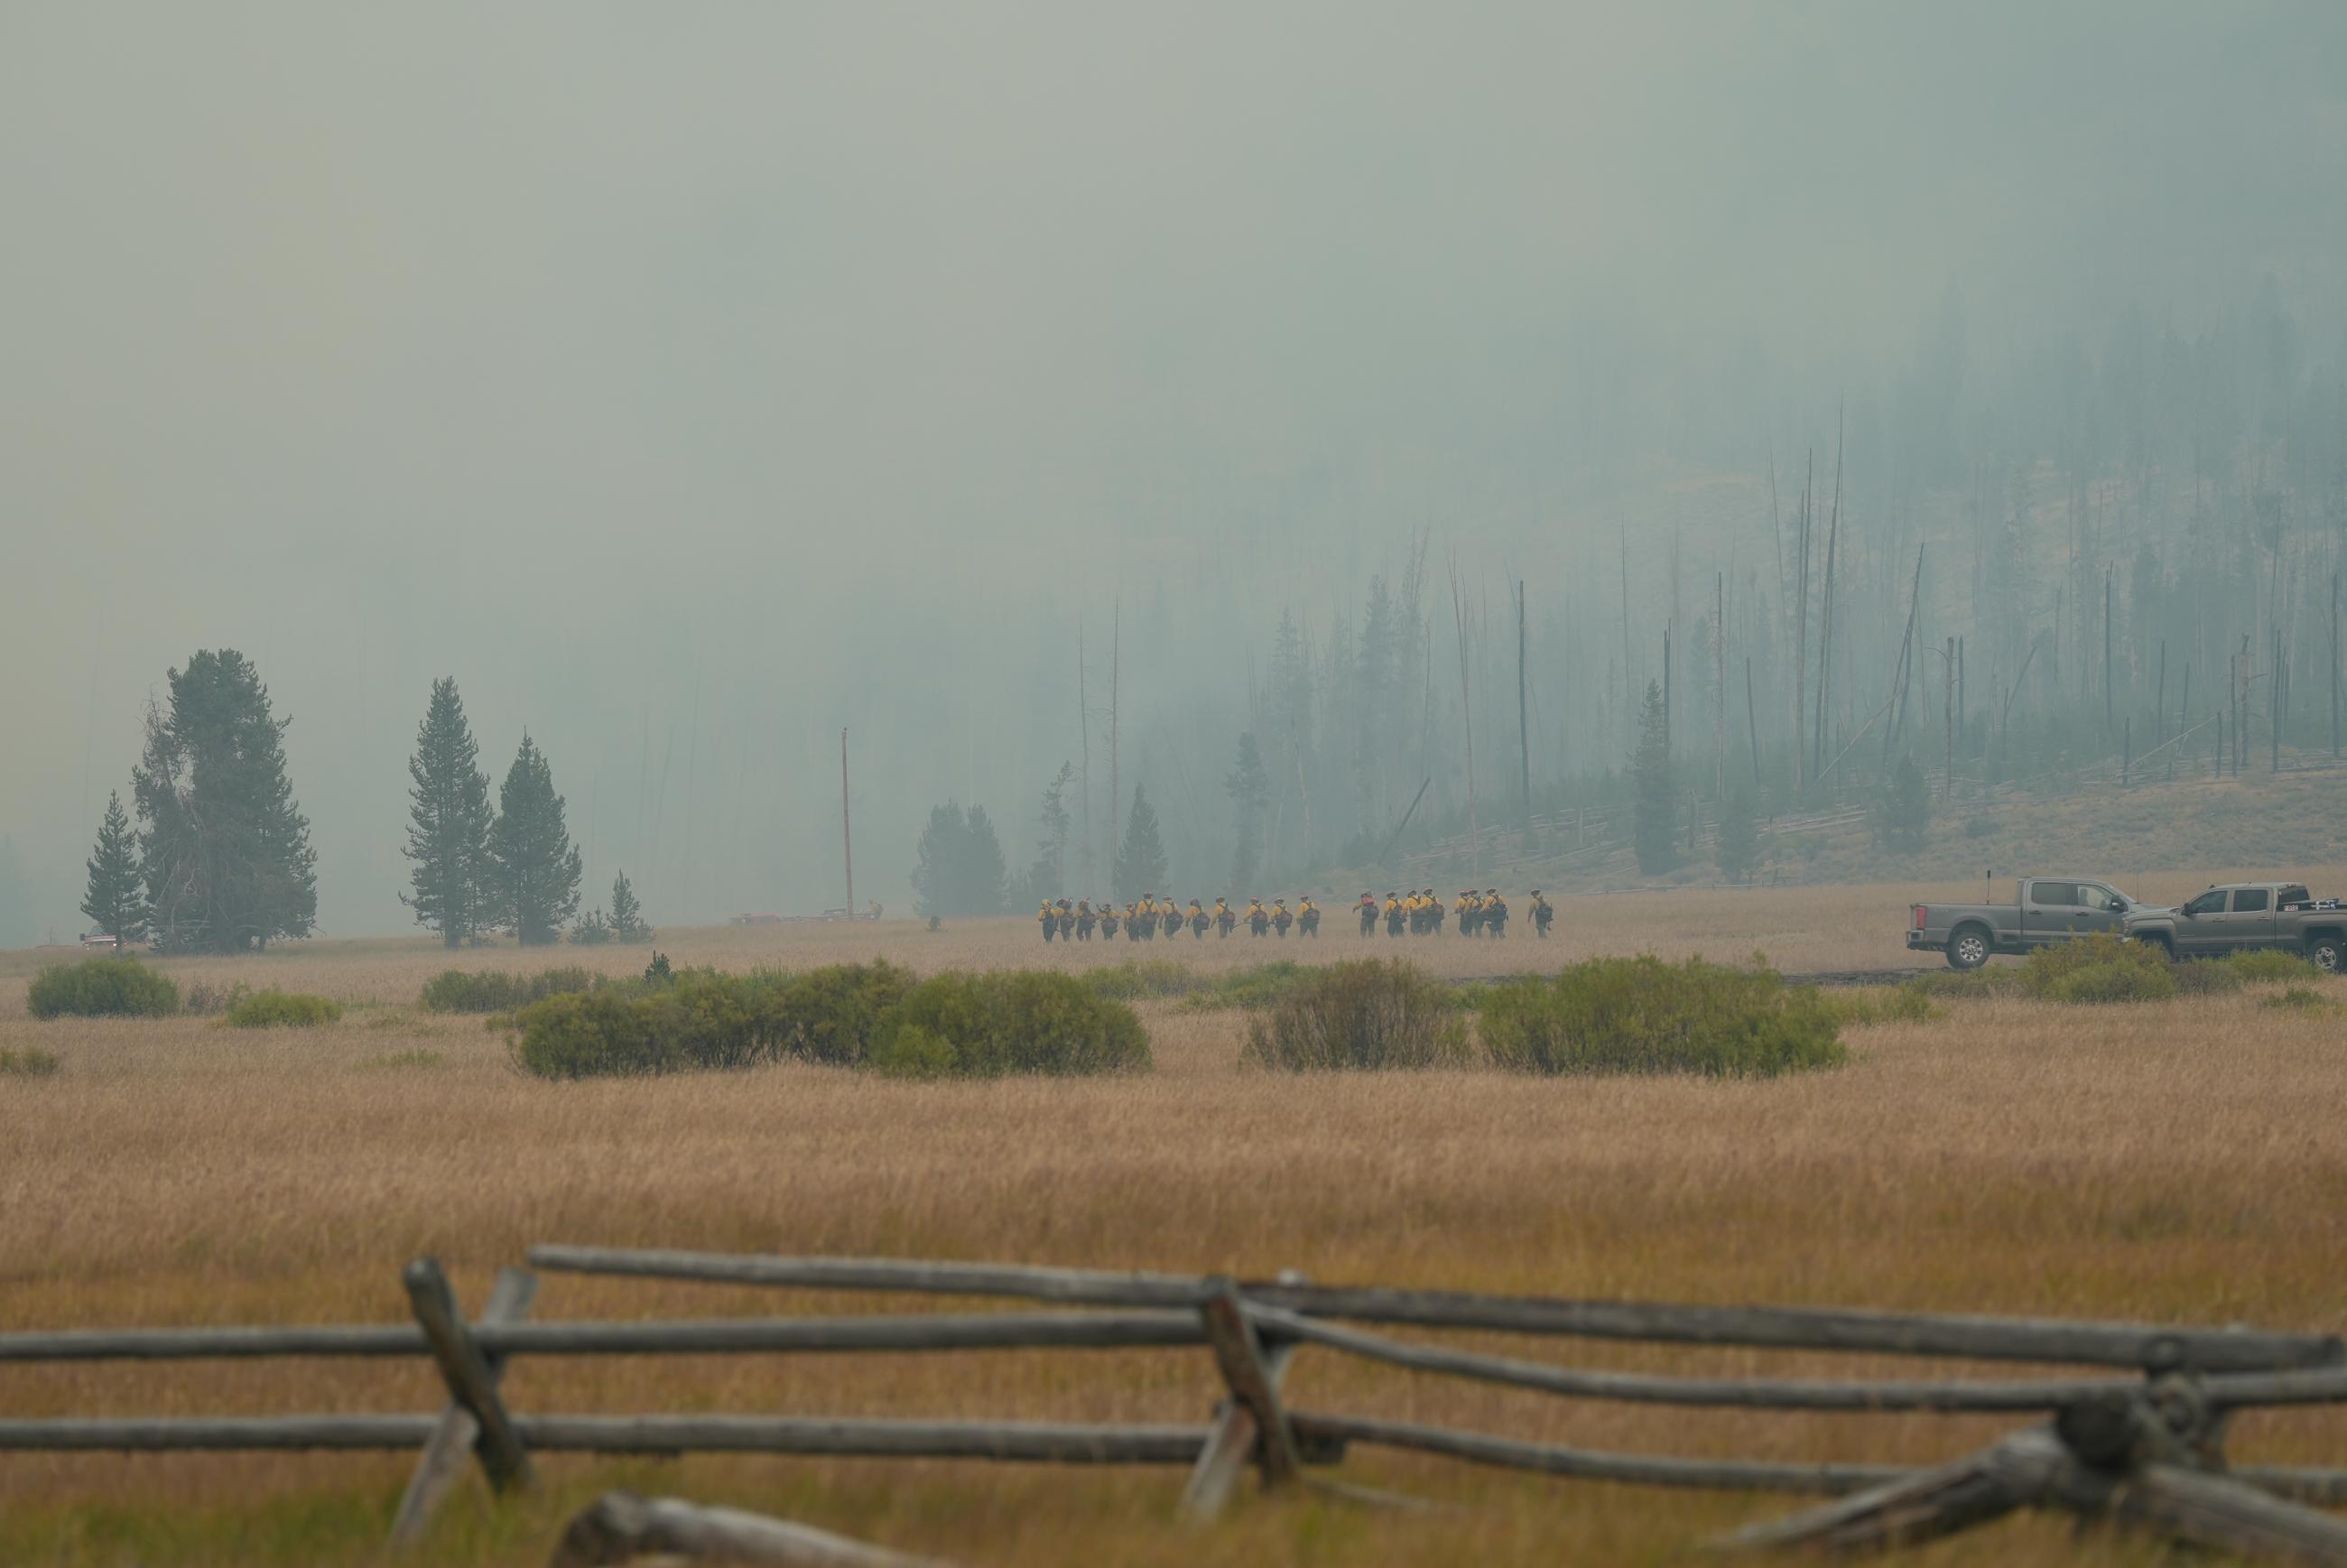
1249 787
957 868
224 848
1903 812
1738 845
448 821
1046 878
534 876
117 899
1141 858
985 872
1655 835
626 921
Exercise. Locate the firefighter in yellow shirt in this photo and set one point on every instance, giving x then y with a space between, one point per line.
1049 918
1198 922
1436 911
1258 918
1542 913
1109 920
1468 908
1226 918
1280 918
1393 916
1307 917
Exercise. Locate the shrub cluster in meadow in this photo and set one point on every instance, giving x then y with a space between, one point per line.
495 991
1253 986
30 1062
101 987
273 1008
2103 967
1361 1015
1643 1015
871 1016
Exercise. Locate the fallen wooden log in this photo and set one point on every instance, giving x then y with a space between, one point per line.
621 1527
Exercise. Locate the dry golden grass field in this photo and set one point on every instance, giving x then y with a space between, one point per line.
2182 1161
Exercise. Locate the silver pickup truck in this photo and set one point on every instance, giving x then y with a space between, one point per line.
2044 910
2243 916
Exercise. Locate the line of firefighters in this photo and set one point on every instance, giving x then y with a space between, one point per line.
1420 912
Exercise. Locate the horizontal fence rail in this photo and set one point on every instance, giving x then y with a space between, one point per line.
2162 1425
2140 1345
720 1335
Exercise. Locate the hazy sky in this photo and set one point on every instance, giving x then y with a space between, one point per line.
692 380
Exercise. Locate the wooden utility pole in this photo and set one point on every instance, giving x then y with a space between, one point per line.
2274 700
2159 699
1467 719
2334 666
1948 701
1801 637
1751 720
1084 728
1667 689
1826 626
846 839
1115 796
2106 651
1523 710
1720 686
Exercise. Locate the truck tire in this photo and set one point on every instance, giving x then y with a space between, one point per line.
2326 952
1968 948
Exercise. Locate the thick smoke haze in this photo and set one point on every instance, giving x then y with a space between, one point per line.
693 382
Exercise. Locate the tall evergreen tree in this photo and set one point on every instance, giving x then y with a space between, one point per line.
535 870
1653 834
448 821
957 868
627 914
116 897
985 872
1047 877
1249 787
224 848
1141 858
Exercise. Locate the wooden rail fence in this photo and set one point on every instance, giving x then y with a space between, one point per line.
2141 1443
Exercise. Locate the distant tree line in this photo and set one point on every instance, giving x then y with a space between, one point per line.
219 858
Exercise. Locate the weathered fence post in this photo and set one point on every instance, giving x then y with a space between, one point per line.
1250 1423
472 1381
445 1456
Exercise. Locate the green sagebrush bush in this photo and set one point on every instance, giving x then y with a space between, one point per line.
2298 999
273 1008
2272 964
703 1018
1255 986
1361 1015
102 987
495 991
30 1062
1900 1004
1642 1015
2208 977
2102 967
1135 979
1010 1022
